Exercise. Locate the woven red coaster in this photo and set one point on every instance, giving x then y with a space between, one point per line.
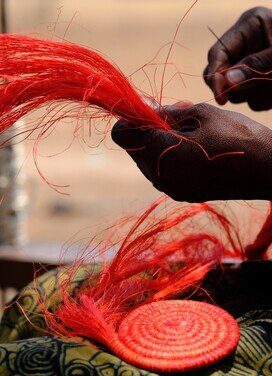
176 335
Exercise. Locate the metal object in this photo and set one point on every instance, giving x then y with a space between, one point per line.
231 57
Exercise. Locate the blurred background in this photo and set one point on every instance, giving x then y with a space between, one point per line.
104 183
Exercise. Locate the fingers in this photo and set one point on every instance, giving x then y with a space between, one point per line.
241 44
220 88
222 56
250 70
128 136
144 146
261 99
207 163
251 81
150 148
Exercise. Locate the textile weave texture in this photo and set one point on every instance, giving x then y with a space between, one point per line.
243 290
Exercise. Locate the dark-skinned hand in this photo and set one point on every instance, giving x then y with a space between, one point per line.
199 168
248 43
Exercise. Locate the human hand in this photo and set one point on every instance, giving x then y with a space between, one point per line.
211 154
240 64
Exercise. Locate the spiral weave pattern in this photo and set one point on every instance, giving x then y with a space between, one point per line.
176 335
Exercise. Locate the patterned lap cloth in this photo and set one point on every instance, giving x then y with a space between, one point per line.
244 290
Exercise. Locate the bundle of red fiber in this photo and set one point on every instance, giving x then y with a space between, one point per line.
123 307
36 72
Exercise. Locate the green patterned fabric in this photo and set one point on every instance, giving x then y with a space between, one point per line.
26 350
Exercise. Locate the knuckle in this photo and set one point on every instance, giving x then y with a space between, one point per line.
159 186
249 13
117 129
254 61
218 56
261 11
256 12
257 106
206 75
120 124
236 99
115 134
174 196
201 108
212 54
195 115
254 106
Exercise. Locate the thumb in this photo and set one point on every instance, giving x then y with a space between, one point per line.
255 66
128 136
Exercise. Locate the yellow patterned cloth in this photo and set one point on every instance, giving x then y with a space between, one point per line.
243 290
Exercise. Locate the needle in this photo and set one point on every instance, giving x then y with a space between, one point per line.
231 57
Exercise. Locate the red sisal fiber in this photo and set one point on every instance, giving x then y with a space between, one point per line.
157 260
38 71
257 250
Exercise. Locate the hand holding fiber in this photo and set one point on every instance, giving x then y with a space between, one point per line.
240 62
210 154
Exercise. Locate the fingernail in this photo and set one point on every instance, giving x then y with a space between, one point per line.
236 76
